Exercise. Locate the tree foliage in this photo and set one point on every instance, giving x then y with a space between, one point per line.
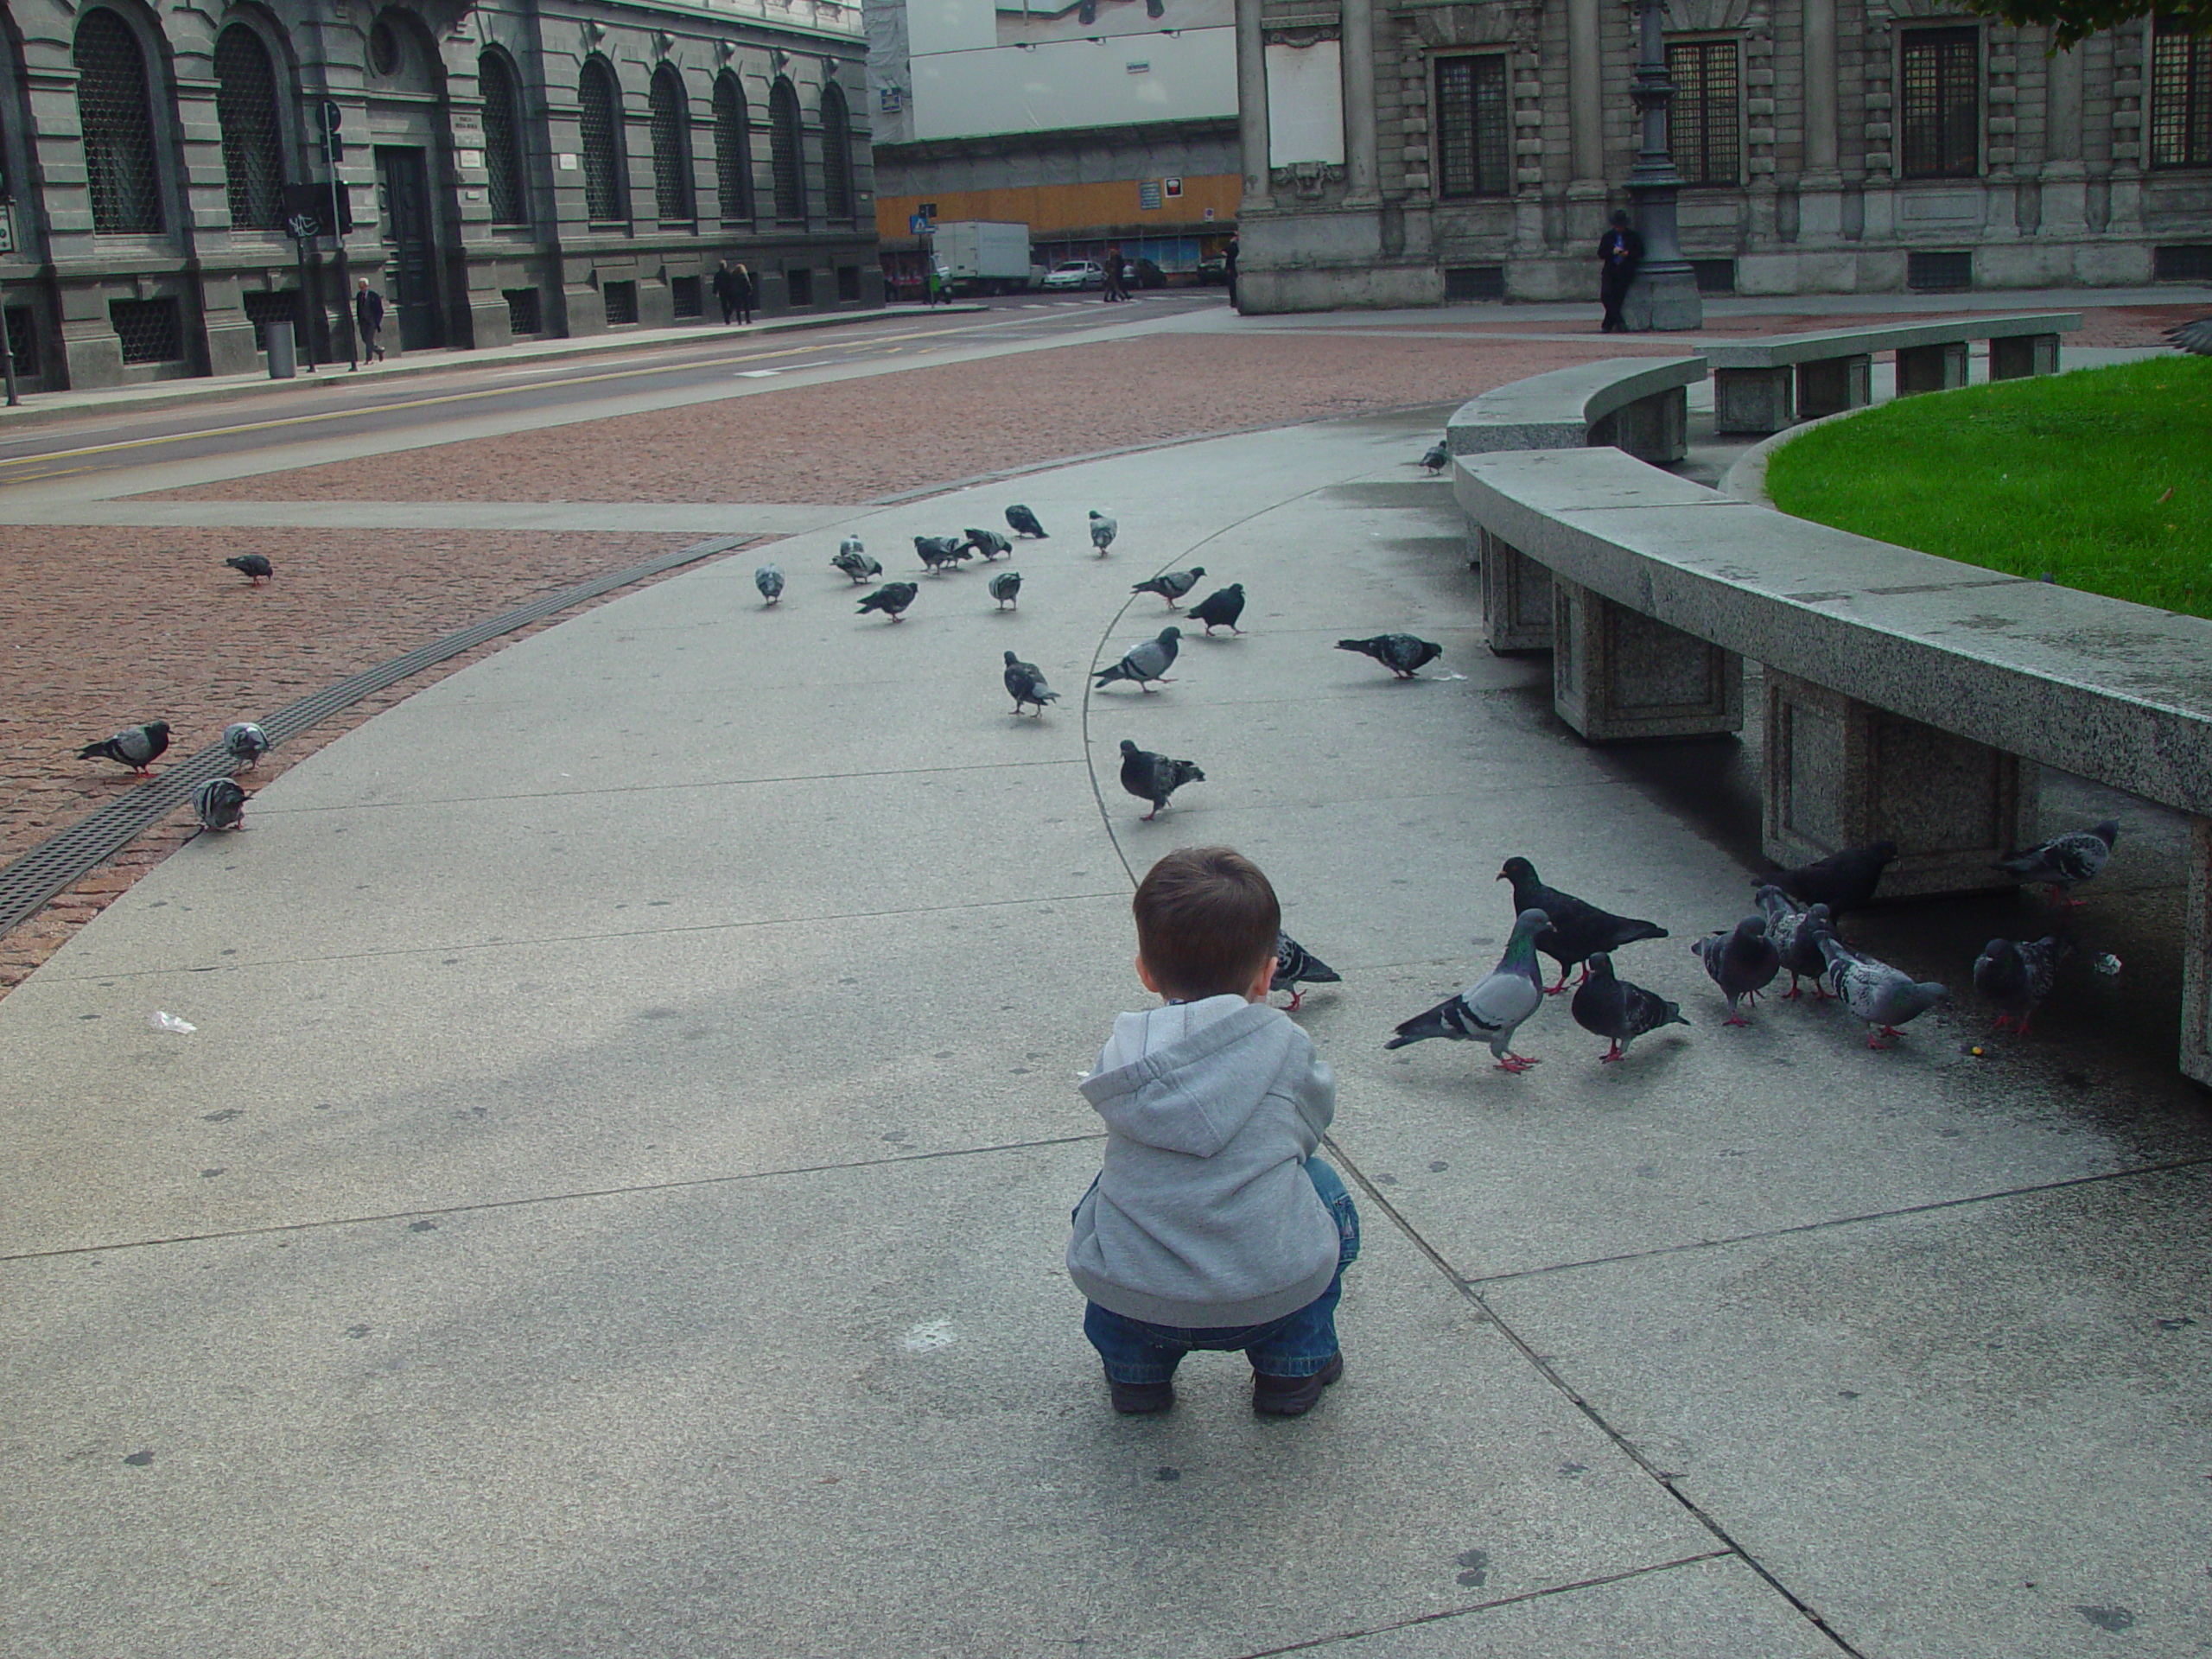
2072 21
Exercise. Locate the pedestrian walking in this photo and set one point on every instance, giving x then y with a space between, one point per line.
368 318
725 292
932 285
1229 270
1115 289
743 292
1620 251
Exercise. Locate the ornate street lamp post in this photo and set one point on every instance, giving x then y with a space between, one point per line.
1664 293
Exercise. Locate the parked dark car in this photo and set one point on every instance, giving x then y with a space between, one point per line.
1142 273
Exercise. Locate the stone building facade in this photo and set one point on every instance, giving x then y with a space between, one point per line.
1403 152
510 169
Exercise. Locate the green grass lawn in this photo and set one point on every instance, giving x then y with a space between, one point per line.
2102 479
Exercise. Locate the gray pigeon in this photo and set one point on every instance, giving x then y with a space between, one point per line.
1025 685
246 743
135 746
1102 528
1796 936
1173 585
1614 1009
852 558
941 552
1878 994
1293 964
989 543
1742 963
1006 588
1843 881
769 579
2194 338
1439 454
1220 608
2065 861
254 566
1154 778
1023 522
1146 662
891 599
1399 652
1492 1009
220 805
2017 976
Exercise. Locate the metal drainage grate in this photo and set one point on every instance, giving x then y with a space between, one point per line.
61 860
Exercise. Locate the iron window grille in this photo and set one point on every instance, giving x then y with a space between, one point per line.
671 122
1471 150
599 106
733 151
524 316
1705 123
502 141
1941 103
23 339
2181 97
148 329
261 310
799 287
848 284
836 153
253 149
783 154
686 298
621 303
1949 273
121 174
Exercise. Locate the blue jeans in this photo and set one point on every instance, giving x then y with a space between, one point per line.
1296 1345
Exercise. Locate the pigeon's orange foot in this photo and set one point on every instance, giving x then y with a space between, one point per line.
1611 1055
1735 1020
1516 1063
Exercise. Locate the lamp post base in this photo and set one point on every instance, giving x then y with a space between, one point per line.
1662 300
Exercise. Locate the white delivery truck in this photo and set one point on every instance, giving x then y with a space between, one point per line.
979 257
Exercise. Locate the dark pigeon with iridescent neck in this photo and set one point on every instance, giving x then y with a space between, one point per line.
1578 929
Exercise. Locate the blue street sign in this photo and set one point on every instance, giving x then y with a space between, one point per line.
918 224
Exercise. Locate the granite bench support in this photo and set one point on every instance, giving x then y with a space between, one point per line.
2196 956
2022 356
1931 368
1617 675
1516 598
1833 384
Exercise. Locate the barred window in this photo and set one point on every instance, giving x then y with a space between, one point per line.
1941 103
2181 97
245 110
502 140
1472 148
117 117
600 107
670 113
784 153
732 151
1705 123
836 153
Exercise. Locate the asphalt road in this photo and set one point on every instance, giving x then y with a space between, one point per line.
344 406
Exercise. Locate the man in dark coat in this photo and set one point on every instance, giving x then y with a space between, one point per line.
368 316
1116 289
726 291
1229 268
1620 251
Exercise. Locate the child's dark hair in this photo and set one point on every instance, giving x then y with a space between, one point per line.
1206 917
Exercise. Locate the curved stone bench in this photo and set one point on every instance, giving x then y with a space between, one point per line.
1908 697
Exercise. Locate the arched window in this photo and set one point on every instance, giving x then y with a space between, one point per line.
502 140
836 153
732 151
601 103
784 153
117 117
245 110
670 113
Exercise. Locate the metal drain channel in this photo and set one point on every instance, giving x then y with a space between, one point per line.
61 860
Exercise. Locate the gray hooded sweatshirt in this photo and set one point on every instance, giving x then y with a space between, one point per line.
1202 1216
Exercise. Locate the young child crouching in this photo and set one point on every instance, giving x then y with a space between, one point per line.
1211 1224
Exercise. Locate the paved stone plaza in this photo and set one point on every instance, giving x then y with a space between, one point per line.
612 1201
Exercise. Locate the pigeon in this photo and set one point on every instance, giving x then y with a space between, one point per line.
2063 861
1154 778
891 599
1578 929
1173 585
1742 963
1878 994
2017 976
1025 685
1796 936
1103 526
1492 1009
1023 522
135 746
1006 588
939 551
2194 338
769 579
1220 608
1293 962
852 558
220 805
1617 1011
1399 652
252 566
1146 662
989 543
246 743
1843 881
1439 454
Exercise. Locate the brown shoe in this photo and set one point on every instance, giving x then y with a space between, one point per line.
1293 1396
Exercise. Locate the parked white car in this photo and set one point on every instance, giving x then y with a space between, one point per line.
1076 273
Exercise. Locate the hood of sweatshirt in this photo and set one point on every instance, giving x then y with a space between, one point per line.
1187 1076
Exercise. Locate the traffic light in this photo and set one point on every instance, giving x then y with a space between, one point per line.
332 119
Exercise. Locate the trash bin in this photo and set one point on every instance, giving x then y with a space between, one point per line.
283 361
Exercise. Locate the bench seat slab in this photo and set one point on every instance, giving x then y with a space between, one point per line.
1516 598
1617 674
1839 773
